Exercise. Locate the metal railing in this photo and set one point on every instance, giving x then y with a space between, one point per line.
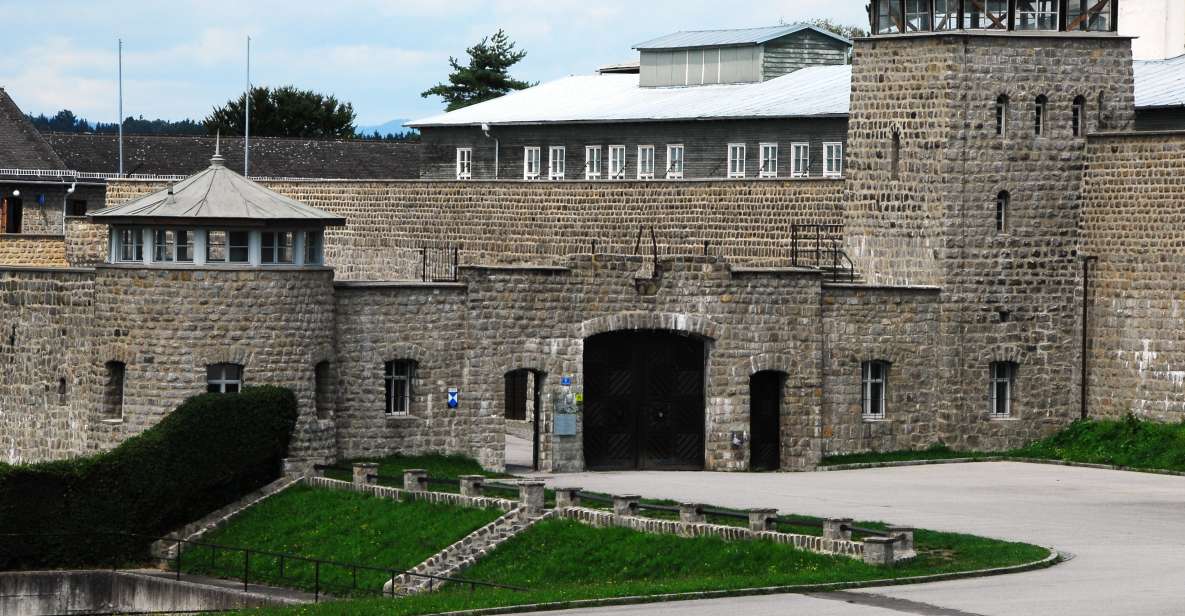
439 264
820 246
101 175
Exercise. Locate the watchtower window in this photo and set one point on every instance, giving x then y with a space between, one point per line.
112 404
1036 15
224 378
1002 201
895 156
888 17
1002 115
1089 15
1078 113
917 15
986 15
946 15
1039 111
1003 382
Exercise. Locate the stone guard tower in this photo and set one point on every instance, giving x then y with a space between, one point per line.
967 132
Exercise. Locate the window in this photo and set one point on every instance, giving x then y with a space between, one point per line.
832 160
917 15
228 246
946 15
736 160
645 162
592 162
1077 116
769 161
1003 381
314 249
674 161
895 156
800 160
1002 115
555 162
1039 115
1089 15
1036 14
464 163
112 404
873 375
323 390
986 15
172 245
77 207
277 247
617 162
131 245
61 390
1003 200
398 375
224 378
888 17
531 163
1102 121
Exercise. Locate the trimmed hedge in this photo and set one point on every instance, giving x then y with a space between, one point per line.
211 451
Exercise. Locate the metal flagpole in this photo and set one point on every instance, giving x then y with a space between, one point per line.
119 55
247 130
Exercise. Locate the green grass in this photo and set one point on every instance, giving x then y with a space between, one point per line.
438 465
561 560
1128 442
340 526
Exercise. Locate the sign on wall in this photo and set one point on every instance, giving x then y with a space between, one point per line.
453 394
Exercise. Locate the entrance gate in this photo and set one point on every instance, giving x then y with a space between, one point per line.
644 401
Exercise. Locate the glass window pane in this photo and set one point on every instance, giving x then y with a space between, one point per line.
216 246
239 248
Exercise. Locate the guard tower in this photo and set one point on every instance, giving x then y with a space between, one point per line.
967 129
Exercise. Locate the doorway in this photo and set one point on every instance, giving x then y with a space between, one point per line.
644 401
523 402
765 420
11 214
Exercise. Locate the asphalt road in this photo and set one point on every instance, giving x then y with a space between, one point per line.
1125 531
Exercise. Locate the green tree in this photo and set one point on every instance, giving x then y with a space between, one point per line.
284 112
486 76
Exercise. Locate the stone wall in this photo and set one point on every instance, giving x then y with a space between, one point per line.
1133 222
543 222
86 242
27 250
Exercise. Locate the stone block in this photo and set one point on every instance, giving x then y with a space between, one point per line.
625 504
691 513
531 497
567 497
365 473
839 529
472 485
879 551
904 548
415 480
761 520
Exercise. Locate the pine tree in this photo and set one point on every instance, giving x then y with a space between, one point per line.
284 112
485 77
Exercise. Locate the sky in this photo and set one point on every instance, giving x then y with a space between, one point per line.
183 58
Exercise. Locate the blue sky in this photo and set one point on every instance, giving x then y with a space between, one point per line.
183 58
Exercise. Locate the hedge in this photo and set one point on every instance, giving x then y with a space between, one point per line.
211 451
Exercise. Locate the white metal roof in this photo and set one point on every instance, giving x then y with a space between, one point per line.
723 38
1160 83
809 92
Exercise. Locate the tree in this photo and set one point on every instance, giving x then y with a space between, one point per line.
485 77
284 112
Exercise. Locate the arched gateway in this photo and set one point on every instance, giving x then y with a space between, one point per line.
644 401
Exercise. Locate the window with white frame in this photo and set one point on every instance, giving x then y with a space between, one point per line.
1003 381
874 376
277 247
674 161
1003 200
645 162
131 245
736 160
769 161
800 160
464 163
397 378
1002 115
592 162
1040 108
531 163
224 378
172 245
617 162
917 15
228 246
1078 116
555 162
832 160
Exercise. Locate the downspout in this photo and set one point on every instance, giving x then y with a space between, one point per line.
1085 381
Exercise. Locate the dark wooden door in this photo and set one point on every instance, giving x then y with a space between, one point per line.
644 401
765 421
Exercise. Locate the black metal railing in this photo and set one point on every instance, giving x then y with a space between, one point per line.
439 263
821 246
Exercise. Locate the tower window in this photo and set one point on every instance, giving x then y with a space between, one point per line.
1036 14
1102 120
397 377
112 405
224 378
917 15
1077 114
1089 15
464 163
873 377
895 156
946 15
888 17
1002 115
986 15
1003 381
1039 111
1002 202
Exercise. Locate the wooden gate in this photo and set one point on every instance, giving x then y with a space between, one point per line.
644 401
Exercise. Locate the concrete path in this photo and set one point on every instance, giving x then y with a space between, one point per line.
1126 532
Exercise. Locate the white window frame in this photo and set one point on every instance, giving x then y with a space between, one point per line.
676 162
136 235
1041 116
171 249
592 162
766 170
227 247
800 166
314 247
398 405
531 162
1002 102
617 162
873 375
736 160
645 162
832 159
222 381
556 162
1002 373
273 259
464 163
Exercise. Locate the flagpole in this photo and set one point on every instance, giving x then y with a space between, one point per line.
119 56
247 130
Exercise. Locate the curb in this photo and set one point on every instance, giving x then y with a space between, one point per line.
1053 558
1106 467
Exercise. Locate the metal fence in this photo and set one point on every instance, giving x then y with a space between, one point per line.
439 263
821 246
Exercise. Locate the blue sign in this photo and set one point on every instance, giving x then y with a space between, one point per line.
565 380
41 199
452 397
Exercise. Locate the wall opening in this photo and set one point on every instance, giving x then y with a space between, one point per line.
11 214
522 402
224 378
1078 116
1003 200
323 390
766 390
115 375
895 155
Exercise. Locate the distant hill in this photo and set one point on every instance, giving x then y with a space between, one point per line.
392 127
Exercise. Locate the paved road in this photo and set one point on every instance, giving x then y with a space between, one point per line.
1126 532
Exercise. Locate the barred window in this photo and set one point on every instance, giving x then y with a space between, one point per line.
1039 111
1003 382
224 378
397 377
874 377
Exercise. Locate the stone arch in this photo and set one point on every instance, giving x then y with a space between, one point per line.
660 321
232 354
778 361
401 350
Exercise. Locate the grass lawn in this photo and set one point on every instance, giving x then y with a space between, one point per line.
438 465
338 526
561 560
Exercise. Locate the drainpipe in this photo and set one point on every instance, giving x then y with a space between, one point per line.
485 129
1086 261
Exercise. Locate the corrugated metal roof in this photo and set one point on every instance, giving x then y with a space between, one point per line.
1160 83
724 38
216 194
812 91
